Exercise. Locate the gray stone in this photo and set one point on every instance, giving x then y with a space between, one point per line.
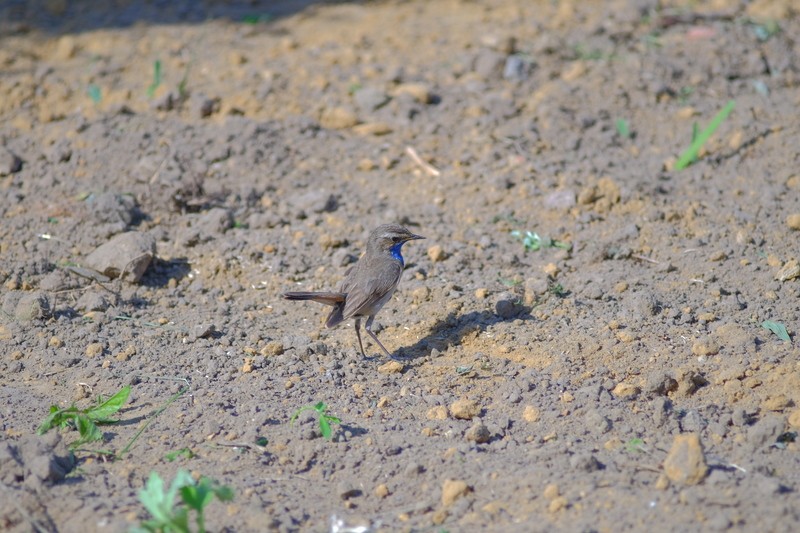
126 255
9 162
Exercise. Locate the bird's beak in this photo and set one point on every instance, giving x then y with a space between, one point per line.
413 237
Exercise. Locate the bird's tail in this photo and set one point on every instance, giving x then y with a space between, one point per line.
327 298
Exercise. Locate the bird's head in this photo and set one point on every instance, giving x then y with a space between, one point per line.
390 238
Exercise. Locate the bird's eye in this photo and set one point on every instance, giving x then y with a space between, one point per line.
397 239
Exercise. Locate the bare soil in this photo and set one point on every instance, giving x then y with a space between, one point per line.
618 378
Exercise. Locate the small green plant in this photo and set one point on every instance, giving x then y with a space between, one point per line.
778 329
556 289
94 93
534 242
151 90
174 454
509 282
85 420
623 129
325 420
635 445
170 516
257 18
698 140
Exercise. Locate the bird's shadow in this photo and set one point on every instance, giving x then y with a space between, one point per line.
452 329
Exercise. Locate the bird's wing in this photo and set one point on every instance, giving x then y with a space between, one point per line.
363 294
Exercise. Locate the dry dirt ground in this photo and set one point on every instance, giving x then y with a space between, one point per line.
618 378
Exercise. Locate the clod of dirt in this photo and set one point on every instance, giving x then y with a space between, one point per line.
436 253
92 301
338 118
117 209
478 433
765 431
793 221
368 99
453 489
506 306
9 162
705 346
596 422
465 409
127 255
35 460
32 306
391 367
686 461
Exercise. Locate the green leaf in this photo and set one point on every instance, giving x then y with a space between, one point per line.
101 412
325 427
94 93
778 329
156 78
623 129
183 452
87 429
690 154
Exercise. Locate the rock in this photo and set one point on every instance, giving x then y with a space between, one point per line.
585 462
382 491
314 201
465 409
531 414
418 91
204 106
560 200
94 349
596 422
9 162
436 253
551 492
705 346
794 419
660 383
215 222
626 390
371 128
452 490
790 270
92 301
391 367
489 63
438 412
507 305
110 208
478 433
369 99
793 221
338 118
765 431
516 68
126 255
686 463
32 306
272 349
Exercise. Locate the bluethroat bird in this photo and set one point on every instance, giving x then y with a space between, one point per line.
368 284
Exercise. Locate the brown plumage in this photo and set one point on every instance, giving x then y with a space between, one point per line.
368 284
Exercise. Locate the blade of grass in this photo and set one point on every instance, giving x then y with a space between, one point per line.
151 419
690 154
156 78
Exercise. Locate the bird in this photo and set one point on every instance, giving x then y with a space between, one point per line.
368 284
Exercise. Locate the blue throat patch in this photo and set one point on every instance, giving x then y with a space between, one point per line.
396 252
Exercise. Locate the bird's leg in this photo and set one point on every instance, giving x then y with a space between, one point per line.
368 327
358 334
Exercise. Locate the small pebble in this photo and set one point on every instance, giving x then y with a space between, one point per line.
465 409
452 490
